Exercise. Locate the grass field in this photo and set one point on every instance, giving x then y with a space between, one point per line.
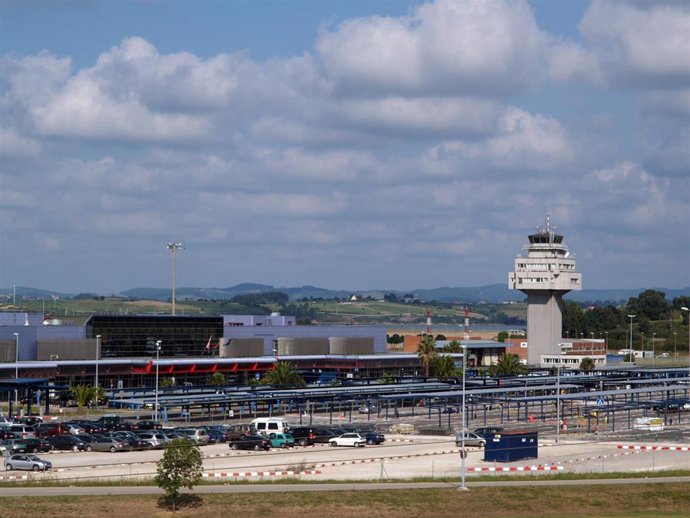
649 501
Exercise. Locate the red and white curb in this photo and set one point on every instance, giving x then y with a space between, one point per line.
651 448
14 477
251 474
492 469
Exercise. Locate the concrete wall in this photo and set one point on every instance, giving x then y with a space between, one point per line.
544 324
243 348
351 345
66 349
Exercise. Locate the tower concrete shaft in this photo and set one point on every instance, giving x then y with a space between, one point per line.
545 274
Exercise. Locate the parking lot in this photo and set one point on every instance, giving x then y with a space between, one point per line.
400 457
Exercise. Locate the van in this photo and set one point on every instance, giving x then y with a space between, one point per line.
51 428
267 425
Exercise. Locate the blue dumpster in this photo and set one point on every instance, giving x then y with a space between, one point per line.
511 445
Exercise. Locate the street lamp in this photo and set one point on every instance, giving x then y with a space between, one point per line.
16 370
653 350
683 308
174 247
16 355
98 355
632 348
158 352
558 400
463 451
675 343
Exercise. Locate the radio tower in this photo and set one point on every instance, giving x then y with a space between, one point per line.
545 274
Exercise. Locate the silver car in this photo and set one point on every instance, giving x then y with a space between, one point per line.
471 439
27 461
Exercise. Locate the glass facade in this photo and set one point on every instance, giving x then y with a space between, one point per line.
133 336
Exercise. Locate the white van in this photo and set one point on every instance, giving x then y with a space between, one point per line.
267 425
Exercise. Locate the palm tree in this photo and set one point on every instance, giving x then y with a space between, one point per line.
508 365
443 367
427 353
82 394
453 346
587 364
283 374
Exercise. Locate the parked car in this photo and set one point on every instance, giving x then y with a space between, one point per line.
308 435
133 441
96 442
23 431
146 425
36 444
10 446
197 435
75 429
372 436
89 426
67 442
488 430
250 442
281 440
348 439
5 433
240 431
368 408
155 439
471 439
31 420
49 429
27 461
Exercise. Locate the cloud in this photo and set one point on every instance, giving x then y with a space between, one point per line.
642 44
444 48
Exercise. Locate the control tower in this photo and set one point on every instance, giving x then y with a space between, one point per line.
545 274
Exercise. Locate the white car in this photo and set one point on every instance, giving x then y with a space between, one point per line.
348 439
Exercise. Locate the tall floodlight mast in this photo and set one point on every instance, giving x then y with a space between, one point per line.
545 274
174 247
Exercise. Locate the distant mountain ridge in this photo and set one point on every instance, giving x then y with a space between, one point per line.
491 293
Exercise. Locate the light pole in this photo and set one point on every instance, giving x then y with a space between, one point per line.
683 308
174 247
463 451
675 343
158 352
642 342
558 400
632 348
16 370
653 350
98 356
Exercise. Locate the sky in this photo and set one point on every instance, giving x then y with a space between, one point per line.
345 144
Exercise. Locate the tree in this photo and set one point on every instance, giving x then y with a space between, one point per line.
651 304
443 367
82 394
508 365
427 352
502 336
217 379
180 466
283 375
587 364
453 346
